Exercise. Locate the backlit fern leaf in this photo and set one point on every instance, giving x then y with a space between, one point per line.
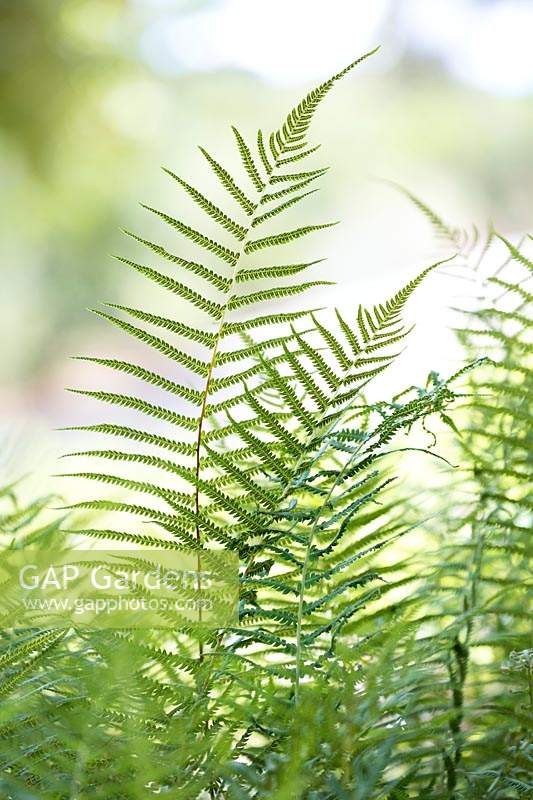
274 455
272 458
173 325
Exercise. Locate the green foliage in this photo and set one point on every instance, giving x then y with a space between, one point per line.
478 583
351 672
490 554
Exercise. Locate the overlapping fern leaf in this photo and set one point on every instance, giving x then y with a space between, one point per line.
255 436
347 674
480 587
216 412
497 554
247 414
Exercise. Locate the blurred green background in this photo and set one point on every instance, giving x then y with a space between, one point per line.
96 95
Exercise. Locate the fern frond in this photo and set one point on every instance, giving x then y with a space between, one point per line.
268 197
440 227
249 372
298 177
135 435
323 369
164 464
306 380
26 648
297 124
263 153
262 321
255 350
168 495
262 449
297 156
516 254
513 288
272 424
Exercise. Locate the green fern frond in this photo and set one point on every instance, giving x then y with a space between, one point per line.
238 378
164 464
172 325
264 320
297 156
297 123
351 338
306 380
169 495
135 435
298 177
269 197
135 539
255 350
513 288
441 228
515 253
26 648
262 153
286 467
